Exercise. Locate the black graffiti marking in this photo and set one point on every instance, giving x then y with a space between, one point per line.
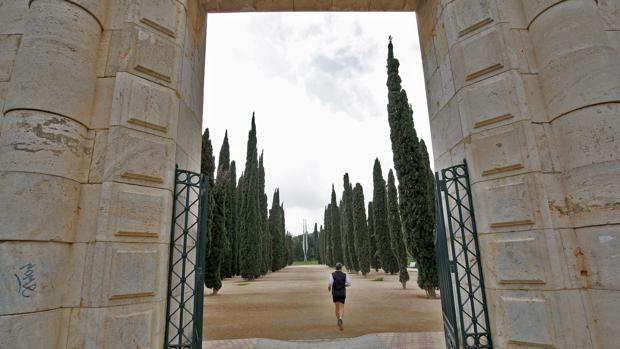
26 282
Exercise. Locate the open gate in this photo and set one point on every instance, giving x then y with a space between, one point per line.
461 281
188 244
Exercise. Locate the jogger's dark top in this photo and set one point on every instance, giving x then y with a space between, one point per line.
339 290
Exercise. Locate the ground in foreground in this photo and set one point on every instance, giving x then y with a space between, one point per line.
294 304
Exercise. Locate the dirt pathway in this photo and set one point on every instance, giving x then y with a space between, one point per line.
294 304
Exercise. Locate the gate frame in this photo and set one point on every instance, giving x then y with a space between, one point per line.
187 182
457 177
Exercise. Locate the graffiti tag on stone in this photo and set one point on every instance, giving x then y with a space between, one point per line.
26 280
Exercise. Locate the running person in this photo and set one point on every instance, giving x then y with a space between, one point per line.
338 282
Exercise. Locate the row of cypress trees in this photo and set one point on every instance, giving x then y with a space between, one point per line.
364 240
393 226
245 238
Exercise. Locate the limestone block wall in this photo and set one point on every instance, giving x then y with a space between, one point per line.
100 99
528 92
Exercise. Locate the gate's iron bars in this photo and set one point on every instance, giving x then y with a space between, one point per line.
445 276
455 186
190 195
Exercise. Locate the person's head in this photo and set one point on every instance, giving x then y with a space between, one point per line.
338 266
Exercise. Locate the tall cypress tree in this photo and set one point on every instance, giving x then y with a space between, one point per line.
265 240
283 262
352 258
334 229
315 235
223 176
240 191
234 223
322 245
275 230
410 169
428 278
207 161
218 234
250 249
375 261
362 240
328 239
382 233
397 240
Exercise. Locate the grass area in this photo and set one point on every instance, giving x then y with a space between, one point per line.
310 262
378 279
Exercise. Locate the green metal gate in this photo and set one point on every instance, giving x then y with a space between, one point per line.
188 242
460 272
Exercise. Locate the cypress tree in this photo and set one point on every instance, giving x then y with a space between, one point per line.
284 261
352 258
265 239
218 234
396 233
425 237
240 200
289 248
250 248
234 220
207 161
375 261
223 176
362 240
322 245
275 226
315 236
328 239
334 229
410 172
382 233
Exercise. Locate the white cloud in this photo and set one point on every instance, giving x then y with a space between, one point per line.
317 84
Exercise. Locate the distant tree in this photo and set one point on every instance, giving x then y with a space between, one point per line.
328 239
362 240
412 175
265 240
382 232
275 230
223 176
284 261
218 235
396 233
233 223
250 248
240 190
315 236
334 229
375 261
289 249
347 226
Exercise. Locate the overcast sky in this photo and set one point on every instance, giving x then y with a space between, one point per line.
317 84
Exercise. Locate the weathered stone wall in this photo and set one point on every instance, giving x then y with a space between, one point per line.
528 92
100 99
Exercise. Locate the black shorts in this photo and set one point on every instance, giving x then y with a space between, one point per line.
339 299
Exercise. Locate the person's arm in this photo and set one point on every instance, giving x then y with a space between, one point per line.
331 282
348 281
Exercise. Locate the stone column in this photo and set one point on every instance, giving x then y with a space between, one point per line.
528 92
96 100
48 73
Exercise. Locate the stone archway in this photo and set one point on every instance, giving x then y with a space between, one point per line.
101 98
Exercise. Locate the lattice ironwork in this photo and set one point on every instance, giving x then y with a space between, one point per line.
445 276
188 242
463 261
